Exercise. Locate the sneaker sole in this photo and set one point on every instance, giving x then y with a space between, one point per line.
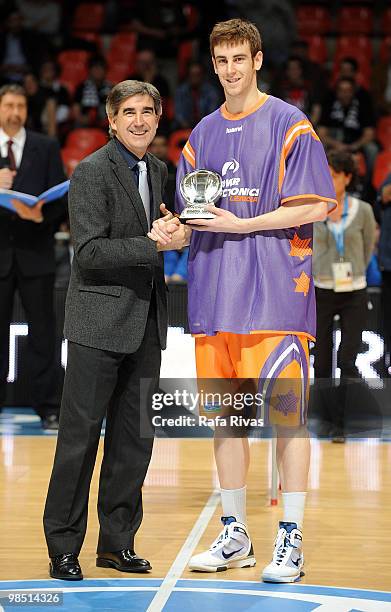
282 579
241 563
107 563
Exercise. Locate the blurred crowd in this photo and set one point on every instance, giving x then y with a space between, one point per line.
67 56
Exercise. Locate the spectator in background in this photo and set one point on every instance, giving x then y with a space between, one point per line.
276 19
295 89
175 262
348 69
41 116
30 163
342 248
41 16
347 122
49 81
384 210
313 71
160 25
89 108
20 50
381 83
146 69
195 97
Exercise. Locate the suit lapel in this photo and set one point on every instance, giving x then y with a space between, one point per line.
155 183
123 174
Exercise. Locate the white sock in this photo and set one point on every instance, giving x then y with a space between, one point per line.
294 507
233 502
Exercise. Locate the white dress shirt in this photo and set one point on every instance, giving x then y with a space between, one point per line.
17 147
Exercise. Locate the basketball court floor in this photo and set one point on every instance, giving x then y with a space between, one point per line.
347 530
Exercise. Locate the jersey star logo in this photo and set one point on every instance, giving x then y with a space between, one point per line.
287 403
302 283
300 247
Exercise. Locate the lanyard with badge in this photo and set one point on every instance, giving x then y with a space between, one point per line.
342 270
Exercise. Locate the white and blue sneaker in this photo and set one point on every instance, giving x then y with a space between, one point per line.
232 548
288 558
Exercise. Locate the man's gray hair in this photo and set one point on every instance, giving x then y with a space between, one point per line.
126 89
12 88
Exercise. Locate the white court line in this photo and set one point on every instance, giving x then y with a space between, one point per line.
174 573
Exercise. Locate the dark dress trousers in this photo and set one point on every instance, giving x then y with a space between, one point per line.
27 263
116 325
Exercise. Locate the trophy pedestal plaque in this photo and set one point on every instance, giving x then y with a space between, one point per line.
199 188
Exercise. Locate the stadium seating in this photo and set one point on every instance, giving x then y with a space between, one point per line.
88 17
382 168
121 56
313 19
386 22
359 47
355 20
74 68
385 50
70 158
317 48
383 132
86 140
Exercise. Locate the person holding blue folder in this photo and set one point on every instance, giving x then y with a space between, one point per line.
30 163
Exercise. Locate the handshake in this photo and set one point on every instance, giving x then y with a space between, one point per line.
169 233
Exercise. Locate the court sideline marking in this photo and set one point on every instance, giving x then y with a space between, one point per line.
175 572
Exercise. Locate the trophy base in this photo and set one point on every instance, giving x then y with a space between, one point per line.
201 215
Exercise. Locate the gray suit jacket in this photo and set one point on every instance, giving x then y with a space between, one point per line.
115 264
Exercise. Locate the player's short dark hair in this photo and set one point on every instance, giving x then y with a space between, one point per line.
236 31
12 88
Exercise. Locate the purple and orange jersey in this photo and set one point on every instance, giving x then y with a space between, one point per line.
258 282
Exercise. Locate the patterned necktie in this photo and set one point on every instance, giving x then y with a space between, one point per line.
11 155
144 189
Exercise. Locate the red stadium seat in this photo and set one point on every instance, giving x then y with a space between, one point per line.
313 19
92 37
317 48
383 132
122 45
358 47
70 158
385 50
88 17
355 20
192 16
73 67
168 108
386 22
86 140
176 143
382 168
119 70
185 54
121 56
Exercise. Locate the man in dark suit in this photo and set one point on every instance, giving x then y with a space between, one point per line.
115 323
30 163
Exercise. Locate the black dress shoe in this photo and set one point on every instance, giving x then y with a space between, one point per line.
65 567
123 560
